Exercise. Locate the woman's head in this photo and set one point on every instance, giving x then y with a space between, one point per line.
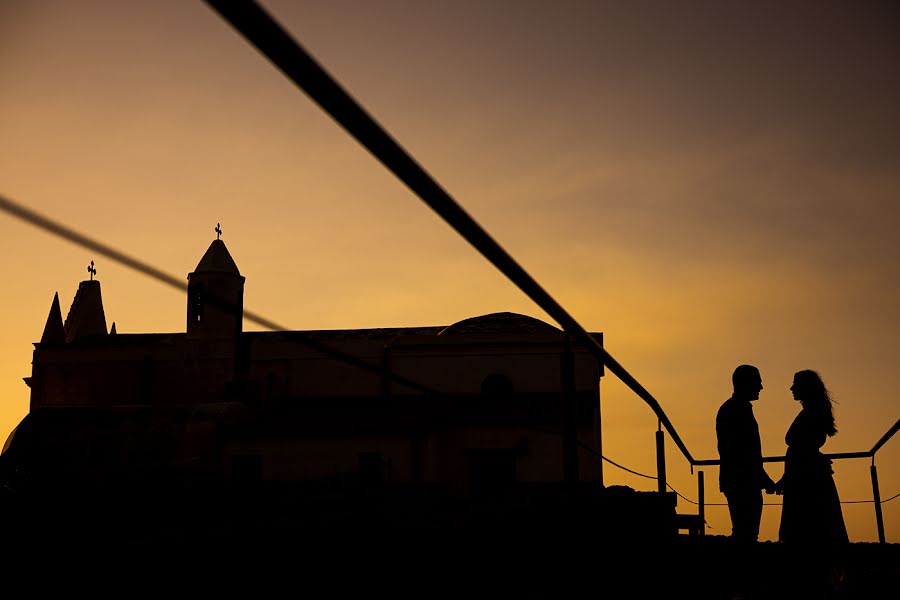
808 386
809 389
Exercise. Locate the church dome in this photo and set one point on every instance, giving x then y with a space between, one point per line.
502 322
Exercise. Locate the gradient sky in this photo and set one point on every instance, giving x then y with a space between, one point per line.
707 183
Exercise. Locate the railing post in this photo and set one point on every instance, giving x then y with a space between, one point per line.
876 494
701 502
386 374
570 433
661 459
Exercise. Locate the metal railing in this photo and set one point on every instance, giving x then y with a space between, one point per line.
873 472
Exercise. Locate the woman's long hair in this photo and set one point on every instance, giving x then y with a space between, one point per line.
816 398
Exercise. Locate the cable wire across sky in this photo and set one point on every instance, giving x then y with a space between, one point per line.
262 31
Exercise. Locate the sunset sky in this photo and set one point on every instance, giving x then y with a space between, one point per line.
706 183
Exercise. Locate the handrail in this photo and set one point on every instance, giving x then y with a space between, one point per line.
885 437
839 455
876 494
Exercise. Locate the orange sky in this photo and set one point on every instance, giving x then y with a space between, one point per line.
706 183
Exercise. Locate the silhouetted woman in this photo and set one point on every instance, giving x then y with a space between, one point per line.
811 512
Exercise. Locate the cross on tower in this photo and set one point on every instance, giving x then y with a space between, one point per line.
218 230
92 270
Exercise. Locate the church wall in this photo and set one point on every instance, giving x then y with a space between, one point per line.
464 371
325 458
86 377
445 456
291 370
124 374
538 455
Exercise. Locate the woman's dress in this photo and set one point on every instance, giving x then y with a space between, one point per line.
811 510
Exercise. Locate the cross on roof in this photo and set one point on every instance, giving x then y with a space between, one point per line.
218 230
92 270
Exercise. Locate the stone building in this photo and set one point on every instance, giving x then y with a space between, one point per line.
479 403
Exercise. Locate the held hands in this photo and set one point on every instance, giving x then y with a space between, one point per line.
771 487
778 488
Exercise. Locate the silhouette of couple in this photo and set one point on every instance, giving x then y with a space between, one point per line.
811 511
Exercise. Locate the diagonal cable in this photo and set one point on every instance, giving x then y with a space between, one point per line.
273 41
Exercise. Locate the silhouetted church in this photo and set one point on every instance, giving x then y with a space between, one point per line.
469 410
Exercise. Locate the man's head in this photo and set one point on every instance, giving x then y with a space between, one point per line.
747 382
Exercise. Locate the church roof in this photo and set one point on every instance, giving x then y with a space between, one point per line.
217 260
86 316
54 332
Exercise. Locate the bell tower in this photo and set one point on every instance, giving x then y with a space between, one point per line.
215 295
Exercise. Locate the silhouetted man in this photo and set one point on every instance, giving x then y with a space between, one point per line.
741 472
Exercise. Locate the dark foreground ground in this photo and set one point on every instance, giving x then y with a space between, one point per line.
325 544
341 563
773 570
